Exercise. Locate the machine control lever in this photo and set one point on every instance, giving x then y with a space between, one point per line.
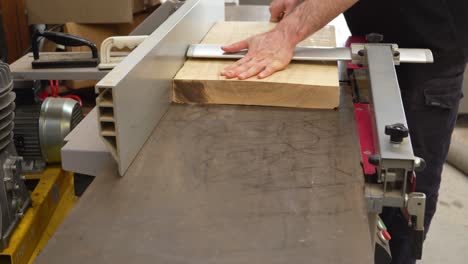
397 132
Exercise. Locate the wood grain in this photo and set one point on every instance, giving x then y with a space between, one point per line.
15 27
302 84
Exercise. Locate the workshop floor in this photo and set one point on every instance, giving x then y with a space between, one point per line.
447 241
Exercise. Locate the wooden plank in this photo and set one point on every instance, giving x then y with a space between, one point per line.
302 84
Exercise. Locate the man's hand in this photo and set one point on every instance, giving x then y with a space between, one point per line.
267 53
272 51
282 8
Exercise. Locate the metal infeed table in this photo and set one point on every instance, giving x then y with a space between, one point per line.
228 184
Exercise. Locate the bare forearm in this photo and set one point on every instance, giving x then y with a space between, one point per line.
272 51
310 16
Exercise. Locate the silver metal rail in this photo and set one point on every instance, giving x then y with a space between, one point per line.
213 51
388 110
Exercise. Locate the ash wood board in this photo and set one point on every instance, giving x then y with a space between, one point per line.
301 84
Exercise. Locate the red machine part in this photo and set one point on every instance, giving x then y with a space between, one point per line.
54 92
364 126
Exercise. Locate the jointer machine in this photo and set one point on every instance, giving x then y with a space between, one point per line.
387 157
168 210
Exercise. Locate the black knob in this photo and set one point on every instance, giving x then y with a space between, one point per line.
397 132
374 38
374 160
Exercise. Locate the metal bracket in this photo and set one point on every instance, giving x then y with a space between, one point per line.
14 196
416 206
359 54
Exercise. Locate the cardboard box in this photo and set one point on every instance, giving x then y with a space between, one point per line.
85 11
97 33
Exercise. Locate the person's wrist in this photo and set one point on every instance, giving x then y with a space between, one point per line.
291 36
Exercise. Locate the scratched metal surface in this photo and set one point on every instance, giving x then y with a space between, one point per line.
227 184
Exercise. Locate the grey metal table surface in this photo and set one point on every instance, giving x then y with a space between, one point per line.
228 184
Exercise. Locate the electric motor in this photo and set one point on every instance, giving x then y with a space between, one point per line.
40 130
